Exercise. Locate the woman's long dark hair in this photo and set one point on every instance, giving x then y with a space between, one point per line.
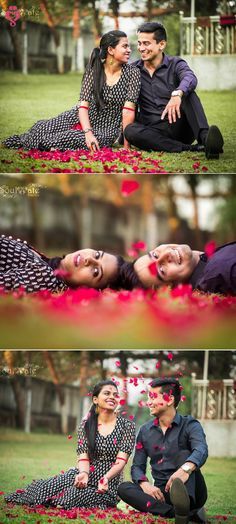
98 56
91 423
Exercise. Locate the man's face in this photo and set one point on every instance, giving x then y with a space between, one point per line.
148 47
174 265
156 403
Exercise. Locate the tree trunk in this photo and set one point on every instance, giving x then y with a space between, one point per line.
55 34
193 183
149 10
15 40
78 58
54 375
96 24
9 358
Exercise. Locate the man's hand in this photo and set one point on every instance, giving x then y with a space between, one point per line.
173 109
81 480
179 474
152 490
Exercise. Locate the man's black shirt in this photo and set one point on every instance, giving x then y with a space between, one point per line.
173 73
183 441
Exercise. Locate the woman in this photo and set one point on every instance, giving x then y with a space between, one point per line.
110 90
23 266
105 442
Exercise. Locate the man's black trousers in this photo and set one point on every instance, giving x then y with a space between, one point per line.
162 136
133 495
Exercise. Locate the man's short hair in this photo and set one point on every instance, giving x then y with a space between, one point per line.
169 385
154 27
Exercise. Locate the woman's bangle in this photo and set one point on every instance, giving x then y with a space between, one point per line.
121 458
84 472
80 460
129 108
83 107
87 130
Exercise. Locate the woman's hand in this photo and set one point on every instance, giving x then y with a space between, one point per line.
126 145
81 480
91 141
103 484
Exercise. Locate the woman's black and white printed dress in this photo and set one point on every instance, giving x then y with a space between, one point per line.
22 267
60 490
58 132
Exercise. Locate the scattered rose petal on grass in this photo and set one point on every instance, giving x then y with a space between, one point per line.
69 437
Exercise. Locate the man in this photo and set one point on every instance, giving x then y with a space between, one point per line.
177 449
171 115
173 264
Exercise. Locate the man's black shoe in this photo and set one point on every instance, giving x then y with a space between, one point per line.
199 516
214 143
197 148
180 499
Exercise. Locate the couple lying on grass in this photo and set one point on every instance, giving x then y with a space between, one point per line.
22 266
175 444
150 103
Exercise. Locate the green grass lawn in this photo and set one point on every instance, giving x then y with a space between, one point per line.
26 99
26 457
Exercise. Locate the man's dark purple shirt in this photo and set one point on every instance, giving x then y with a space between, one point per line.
183 441
173 73
216 274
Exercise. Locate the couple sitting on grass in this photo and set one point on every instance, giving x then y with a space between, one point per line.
150 103
175 444
22 266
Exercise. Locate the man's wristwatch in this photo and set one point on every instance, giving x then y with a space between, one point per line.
178 92
187 468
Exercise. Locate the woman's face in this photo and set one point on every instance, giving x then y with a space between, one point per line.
121 52
174 265
90 268
107 399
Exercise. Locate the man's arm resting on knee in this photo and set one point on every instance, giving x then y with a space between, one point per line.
182 473
187 83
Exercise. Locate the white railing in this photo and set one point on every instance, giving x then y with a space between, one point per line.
213 399
208 35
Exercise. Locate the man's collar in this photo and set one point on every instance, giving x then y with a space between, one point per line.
140 63
176 420
198 271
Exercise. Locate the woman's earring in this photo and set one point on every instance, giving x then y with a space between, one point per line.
111 61
96 409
